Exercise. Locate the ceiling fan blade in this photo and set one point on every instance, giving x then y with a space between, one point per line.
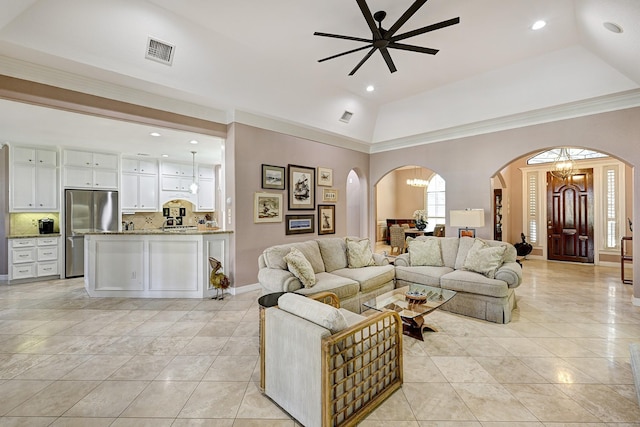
345 53
405 17
367 56
366 12
413 48
426 29
388 60
338 36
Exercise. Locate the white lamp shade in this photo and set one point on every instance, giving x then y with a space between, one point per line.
466 218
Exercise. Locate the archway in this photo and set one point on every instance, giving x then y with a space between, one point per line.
356 199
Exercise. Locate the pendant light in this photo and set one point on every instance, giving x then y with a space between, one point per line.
563 165
415 181
194 185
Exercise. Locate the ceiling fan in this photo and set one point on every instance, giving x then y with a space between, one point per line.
383 40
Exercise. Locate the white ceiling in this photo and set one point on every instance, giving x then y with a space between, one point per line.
260 57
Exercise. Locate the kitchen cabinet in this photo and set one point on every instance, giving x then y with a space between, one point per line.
139 189
84 169
177 169
147 167
33 258
34 180
206 195
175 183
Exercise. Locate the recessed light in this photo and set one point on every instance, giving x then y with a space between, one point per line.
538 24
154 134
614 28
193 141
370 88
165 155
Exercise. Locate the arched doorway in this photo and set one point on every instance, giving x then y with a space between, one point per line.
355 208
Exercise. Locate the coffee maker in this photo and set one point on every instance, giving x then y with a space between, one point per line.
45 225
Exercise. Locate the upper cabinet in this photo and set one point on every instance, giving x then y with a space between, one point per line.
139 187
85 169
34 179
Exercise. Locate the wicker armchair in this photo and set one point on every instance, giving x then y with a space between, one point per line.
330 379
397 239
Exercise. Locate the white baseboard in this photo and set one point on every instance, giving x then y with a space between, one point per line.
244 289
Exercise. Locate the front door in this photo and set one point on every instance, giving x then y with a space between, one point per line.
570 217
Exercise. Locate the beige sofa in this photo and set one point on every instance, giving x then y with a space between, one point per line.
489 296
330 264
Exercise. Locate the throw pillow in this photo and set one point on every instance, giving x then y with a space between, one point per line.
300 267
314 311
425 252
359 253
484 259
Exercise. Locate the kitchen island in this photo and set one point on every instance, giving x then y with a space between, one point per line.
153 263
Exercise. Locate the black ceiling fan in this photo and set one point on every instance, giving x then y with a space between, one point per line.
383 40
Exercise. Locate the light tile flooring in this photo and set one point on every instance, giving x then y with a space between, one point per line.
70 360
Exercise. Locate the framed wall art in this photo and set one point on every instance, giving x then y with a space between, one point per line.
326 219
267 207
299 224
325 177
329 195
302 188
273 177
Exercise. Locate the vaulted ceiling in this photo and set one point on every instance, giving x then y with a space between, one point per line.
260 58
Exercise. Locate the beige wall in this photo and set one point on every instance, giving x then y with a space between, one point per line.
253 147
4 207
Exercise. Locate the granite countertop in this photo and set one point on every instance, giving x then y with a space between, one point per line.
154 231
29 236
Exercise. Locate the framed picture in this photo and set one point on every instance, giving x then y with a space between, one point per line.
326 219
329 195
267 207
302 188
466 232
325 177
273 177
299 224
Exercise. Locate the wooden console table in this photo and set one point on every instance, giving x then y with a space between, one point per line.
624 258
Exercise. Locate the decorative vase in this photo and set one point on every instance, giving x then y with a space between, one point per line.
421 225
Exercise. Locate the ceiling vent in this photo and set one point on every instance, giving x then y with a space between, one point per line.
346 116
159 51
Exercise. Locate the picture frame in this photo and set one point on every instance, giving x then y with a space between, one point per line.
329 195
326 219
467 232
273 177
302 187
267 207
299 224
325 177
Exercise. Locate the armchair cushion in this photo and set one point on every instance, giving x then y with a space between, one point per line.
484 259
300 267
359 253
314 311
425 252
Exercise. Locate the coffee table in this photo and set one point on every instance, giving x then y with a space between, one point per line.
421 301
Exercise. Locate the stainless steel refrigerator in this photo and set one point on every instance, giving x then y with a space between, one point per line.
86 211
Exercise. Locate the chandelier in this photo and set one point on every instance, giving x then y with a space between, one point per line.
563 165
417 182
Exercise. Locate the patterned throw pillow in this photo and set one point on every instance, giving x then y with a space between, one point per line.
359 253
300 267
425 252
484 259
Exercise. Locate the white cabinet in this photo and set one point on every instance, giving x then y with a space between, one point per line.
175 183
206 195
34 180
177 169
206 171
84 169
33 258
139 188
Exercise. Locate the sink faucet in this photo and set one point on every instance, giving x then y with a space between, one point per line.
165 223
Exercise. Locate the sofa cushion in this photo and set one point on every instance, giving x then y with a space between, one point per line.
274 256
300 267
484 259
424 275
425 252
343 287
334 253
474 283
359 253
369 278
464 245
314 311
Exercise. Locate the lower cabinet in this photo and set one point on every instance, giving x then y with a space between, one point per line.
33 258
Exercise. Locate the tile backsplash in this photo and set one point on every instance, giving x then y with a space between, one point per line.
22 224
151 220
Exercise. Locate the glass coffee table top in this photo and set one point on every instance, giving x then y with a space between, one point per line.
412 303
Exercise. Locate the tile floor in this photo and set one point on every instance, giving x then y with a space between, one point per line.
70 360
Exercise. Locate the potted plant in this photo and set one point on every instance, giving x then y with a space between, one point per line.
421 219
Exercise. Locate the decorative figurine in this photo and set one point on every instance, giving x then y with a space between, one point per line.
217 280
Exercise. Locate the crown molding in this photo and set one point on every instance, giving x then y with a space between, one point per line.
597 105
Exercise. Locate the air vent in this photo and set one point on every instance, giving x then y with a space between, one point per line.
346 116
159 51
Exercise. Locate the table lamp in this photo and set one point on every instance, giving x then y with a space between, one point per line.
466 218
